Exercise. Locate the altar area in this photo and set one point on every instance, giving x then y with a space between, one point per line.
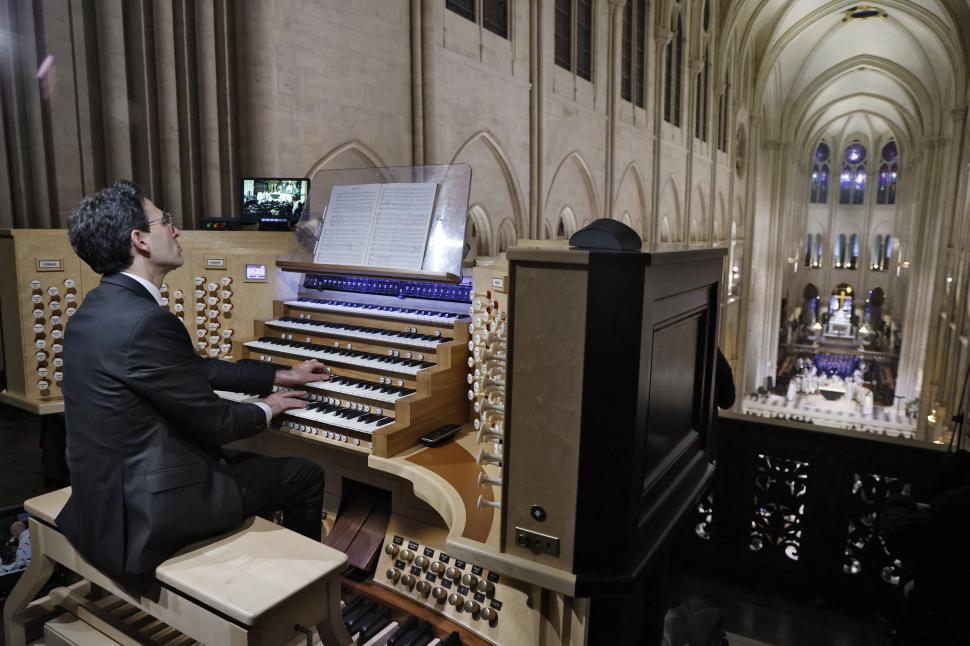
835 390
842 413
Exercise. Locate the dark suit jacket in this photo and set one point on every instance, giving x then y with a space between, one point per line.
143 427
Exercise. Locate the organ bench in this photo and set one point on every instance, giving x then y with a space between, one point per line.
260 585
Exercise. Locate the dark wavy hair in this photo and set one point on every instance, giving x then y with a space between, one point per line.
100 227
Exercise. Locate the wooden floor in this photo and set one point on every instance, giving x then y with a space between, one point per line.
751 617
757 617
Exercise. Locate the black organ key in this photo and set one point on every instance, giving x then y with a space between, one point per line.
423 637
411 625
366 617
454 639
355 601
357 612
377 623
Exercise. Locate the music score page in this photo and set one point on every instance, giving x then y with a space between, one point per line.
377 225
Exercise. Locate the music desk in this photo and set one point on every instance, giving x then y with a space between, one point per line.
253 586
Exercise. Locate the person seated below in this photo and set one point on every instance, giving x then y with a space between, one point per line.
143 424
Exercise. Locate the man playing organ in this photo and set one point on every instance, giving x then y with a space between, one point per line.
144 426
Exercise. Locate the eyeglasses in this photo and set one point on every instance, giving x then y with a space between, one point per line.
166 220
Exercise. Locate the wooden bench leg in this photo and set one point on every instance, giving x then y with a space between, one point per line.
31 581
332 631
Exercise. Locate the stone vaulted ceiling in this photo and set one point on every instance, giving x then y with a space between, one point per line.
818 71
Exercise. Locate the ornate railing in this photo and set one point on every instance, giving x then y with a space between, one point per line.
799 506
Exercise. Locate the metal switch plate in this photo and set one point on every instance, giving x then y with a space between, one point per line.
537 542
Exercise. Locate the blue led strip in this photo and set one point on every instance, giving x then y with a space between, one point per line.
460 293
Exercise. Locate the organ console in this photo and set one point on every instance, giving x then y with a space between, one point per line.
584 383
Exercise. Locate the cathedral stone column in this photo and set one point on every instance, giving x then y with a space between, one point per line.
920 318
615 51
766 172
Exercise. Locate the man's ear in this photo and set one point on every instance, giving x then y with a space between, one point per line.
140 242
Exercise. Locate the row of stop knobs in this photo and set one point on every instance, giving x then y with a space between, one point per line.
438 593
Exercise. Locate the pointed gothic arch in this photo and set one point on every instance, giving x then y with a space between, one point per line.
350 154
563 191
631 198
515 192
670 210
478 234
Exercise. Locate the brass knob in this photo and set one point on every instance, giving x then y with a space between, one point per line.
454 599
408 581
437 567
407 555
391 549
422 562
452 573
469 579
424 588
393 574
489 615
438 593
486 587
472 607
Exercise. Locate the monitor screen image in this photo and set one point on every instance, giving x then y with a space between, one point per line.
274 197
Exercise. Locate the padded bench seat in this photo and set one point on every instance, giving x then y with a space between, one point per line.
250 586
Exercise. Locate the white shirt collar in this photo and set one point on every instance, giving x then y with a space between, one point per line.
147 285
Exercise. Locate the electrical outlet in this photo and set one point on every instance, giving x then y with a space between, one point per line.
537 542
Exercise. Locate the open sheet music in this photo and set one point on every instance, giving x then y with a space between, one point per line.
377 225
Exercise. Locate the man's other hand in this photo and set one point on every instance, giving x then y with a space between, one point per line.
302 373
285 400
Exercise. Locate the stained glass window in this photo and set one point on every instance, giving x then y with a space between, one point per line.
888 173
578 13
852 181
700 107
672 74
633 77
820 175
876 253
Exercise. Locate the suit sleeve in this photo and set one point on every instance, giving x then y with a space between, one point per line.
239 378
161 367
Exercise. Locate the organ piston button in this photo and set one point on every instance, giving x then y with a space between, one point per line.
439 594
393 574
437 567
469 579
391 549
421 562
452 573
455 600
424 588
407 555
489 615
408 581
486 587
472 607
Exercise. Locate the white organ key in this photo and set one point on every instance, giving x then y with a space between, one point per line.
335 356
364 334
338 416
379 311
242 398
367 390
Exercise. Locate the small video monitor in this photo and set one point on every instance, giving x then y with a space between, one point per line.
274 197
255 273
